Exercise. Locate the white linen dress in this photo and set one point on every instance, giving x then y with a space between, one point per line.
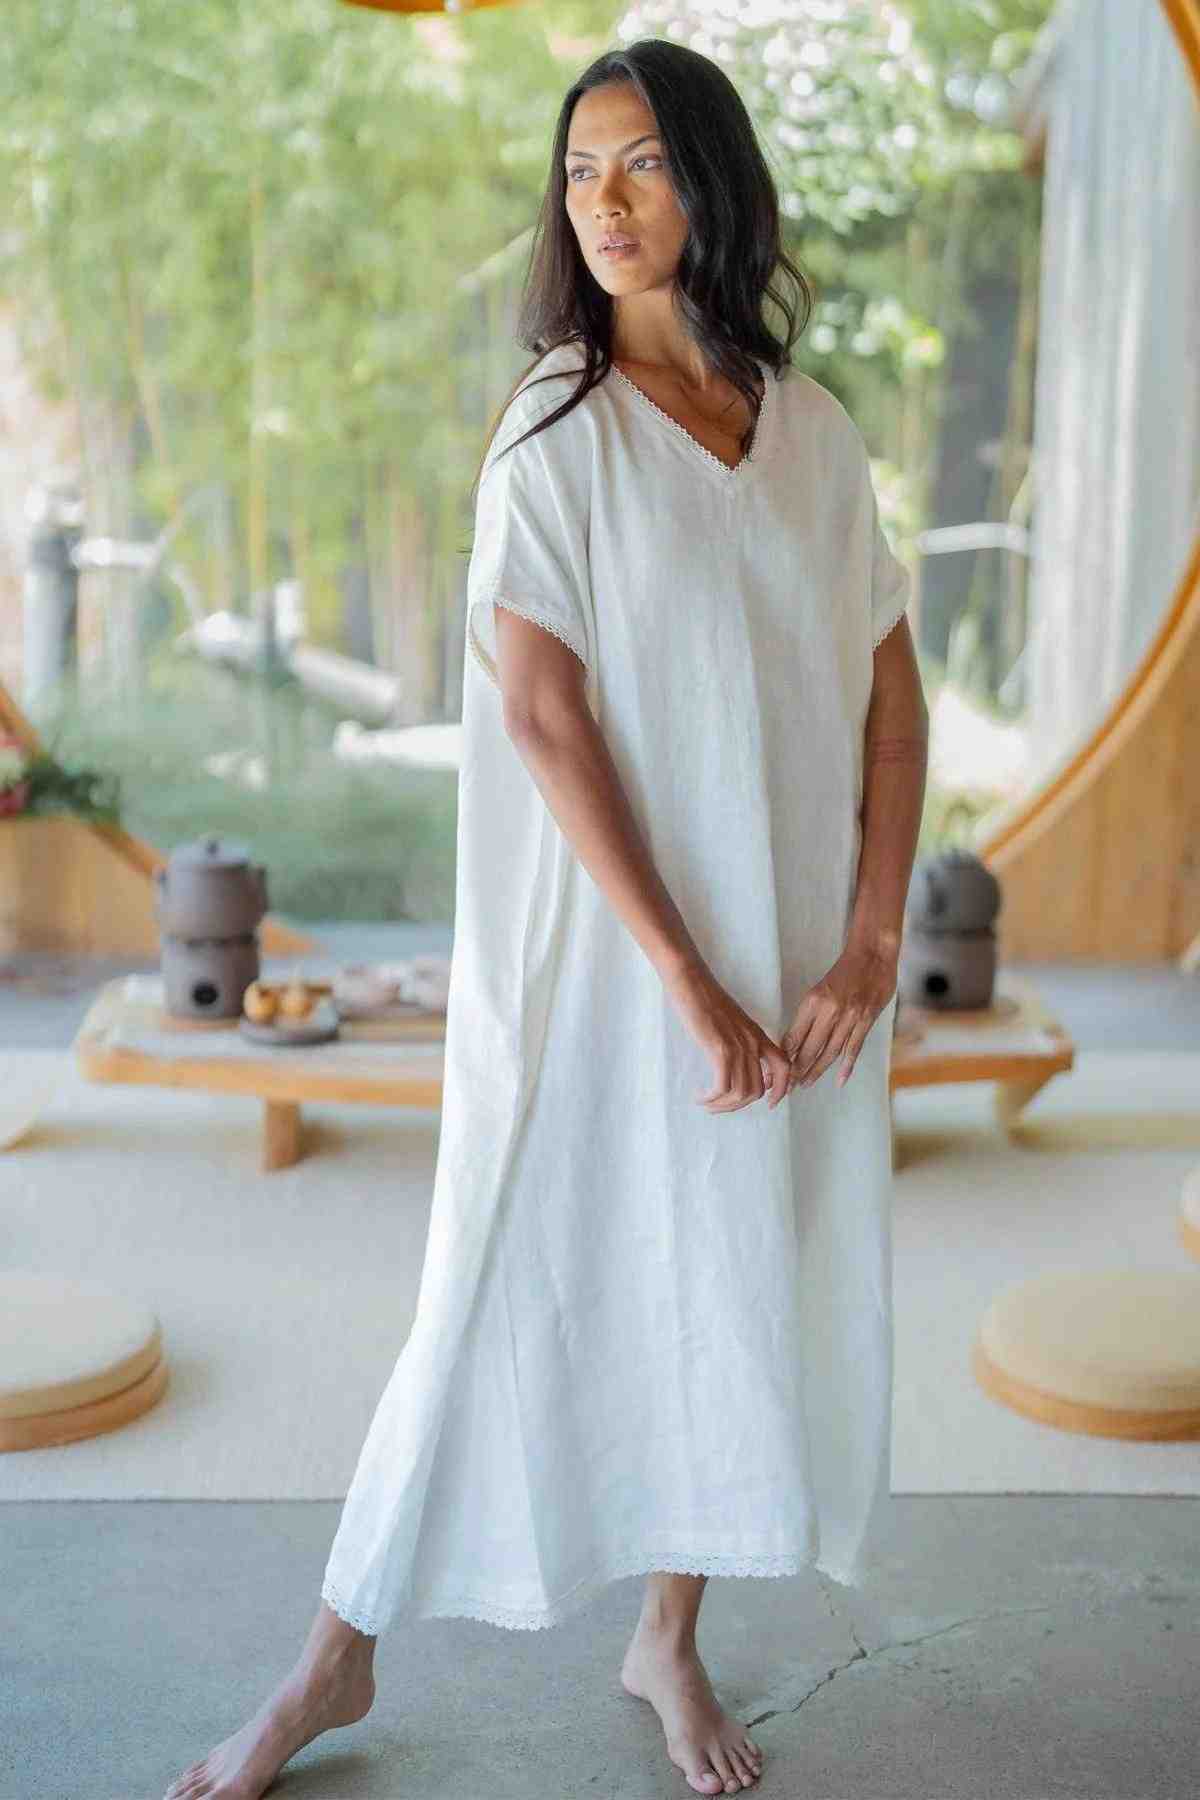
649 1337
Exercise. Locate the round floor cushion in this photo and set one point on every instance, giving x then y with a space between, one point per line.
30 1082
1111 1352
76 1359
1189 1211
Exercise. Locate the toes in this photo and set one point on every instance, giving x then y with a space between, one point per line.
712 1783
183 1784
743 1769
720 1762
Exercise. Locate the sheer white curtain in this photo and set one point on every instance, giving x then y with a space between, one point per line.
1117 402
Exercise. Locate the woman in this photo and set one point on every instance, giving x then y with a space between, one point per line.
654 1326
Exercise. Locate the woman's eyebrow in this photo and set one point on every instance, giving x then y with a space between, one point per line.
633 142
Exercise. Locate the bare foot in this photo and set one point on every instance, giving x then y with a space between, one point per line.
336 1690
713 1749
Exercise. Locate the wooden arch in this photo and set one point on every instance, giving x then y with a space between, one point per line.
1102 863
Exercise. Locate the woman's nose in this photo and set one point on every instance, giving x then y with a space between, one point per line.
607 200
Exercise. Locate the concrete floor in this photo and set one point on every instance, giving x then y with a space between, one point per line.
1015 1647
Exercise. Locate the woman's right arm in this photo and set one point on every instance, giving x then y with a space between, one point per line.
552 727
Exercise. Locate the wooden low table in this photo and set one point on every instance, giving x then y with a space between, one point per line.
361 1065
1015 1042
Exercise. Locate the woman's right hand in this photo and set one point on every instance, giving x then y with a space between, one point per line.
738 1048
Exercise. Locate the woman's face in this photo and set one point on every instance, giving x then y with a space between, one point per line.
617 182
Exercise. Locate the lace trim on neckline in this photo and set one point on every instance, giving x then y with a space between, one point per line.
669 1562
686 435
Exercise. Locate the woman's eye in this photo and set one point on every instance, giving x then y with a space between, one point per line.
581 169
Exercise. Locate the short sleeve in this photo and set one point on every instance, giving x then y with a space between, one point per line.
529 552
891 583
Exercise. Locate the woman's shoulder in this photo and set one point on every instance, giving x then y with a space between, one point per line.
815 413
811 403
547 383
544 387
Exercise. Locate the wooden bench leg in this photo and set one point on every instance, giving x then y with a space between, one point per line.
283 1134
1013 1096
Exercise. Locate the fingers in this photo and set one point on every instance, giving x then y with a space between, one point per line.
813 1072
739 1081
804 1052
812 1059
833 1019
745 1073
819 1049
853 1045
747 1068
779 1071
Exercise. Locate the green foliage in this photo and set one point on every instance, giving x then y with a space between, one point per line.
256 228
339 839
52 788
251 221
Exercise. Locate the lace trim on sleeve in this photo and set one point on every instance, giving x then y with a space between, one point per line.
890 625
524 611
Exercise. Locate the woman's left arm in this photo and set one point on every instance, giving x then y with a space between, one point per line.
837 1012
895 758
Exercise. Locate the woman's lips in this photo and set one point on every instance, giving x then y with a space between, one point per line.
618 250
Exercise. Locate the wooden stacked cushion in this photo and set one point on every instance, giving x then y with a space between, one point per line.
1110 1352
76 1359
1189 1211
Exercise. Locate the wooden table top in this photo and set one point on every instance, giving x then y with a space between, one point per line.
1016 1036
127 1036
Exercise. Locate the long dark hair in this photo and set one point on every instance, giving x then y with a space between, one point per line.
729 259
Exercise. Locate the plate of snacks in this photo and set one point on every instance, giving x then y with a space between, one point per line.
288 1012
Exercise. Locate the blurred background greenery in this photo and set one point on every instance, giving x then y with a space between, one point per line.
269 256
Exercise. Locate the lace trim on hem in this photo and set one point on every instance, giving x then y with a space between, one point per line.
669 1562
524 612
889 626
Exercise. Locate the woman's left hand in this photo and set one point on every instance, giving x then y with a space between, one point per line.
837 1012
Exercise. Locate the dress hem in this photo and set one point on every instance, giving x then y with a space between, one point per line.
463 1606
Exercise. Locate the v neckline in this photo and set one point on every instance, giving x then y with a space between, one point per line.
682 431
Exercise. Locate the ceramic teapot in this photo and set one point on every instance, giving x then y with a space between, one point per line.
952 891
210 889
